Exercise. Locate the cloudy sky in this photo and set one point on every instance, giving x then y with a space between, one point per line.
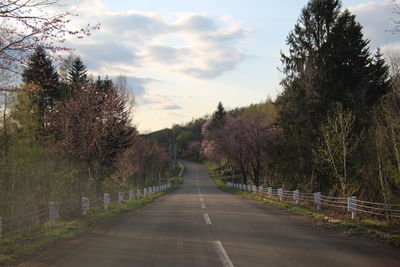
183 56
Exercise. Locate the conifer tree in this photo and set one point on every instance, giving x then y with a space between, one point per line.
40 71
77 76
328 63
218 116
220 113
103 84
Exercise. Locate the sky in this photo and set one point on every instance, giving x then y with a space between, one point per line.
181 57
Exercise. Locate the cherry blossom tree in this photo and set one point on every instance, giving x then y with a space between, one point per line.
25 24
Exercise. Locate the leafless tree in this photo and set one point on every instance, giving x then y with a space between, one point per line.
25 24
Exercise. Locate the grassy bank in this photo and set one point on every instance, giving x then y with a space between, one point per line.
28 243
382 231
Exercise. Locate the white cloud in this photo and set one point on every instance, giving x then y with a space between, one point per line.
206 47
378 22
160 101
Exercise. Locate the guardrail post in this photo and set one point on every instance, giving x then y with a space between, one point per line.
260 189
106 200
296 196
254 189
352 206
138 193
145 192
270 191
131 195
317 200
85 205
120 197
280 194
53 213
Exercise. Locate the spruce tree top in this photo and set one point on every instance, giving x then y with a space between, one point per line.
220 113
77 76
40 71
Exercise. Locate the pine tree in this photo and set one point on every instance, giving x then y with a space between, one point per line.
353 77
220 113
103 84
40 71
218 116
77 76
328 63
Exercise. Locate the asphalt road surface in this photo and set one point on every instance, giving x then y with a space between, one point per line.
199 225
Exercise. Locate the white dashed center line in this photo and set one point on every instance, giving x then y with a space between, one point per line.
223 256
207 219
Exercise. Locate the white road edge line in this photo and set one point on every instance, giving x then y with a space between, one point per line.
203 206
223 256
198 187
207 219
201 199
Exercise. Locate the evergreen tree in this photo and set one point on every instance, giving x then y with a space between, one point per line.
220 113
40 71
77 75
218 118
353 77
328 63
103 84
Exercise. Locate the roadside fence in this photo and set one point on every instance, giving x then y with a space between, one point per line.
349 204
48 215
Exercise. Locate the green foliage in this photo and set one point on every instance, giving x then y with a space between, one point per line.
184 138
335 153
26 114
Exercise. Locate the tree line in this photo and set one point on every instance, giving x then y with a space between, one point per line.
334 127
68 134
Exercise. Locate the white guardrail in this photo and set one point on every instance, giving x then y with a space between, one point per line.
26 221
351 204
182 169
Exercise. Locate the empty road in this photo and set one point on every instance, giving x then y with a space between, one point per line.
198 225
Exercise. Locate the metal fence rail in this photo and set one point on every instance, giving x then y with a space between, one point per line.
351 204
